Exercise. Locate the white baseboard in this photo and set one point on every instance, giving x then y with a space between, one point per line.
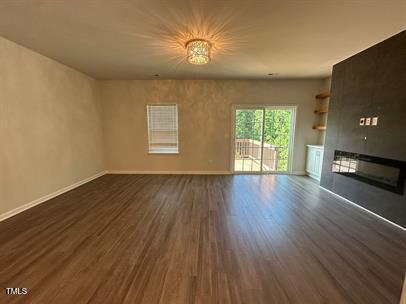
269 173
169 172
315 177
298 173
48 197
365 209
199 172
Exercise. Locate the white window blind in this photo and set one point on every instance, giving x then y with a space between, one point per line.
163 128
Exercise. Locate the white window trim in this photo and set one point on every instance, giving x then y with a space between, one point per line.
292 107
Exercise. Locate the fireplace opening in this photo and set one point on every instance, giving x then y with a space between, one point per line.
385 173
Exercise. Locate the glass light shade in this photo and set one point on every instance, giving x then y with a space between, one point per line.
198 51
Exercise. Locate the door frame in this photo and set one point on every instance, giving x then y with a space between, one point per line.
235 107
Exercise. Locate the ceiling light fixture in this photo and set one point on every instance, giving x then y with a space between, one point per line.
198 51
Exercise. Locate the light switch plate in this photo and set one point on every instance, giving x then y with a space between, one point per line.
362 121
368 121
375 120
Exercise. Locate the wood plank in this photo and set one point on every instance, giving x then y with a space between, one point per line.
321 111
200 239
323 95
319 127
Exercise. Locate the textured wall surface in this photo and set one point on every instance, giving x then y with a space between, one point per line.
371 83
205 111
50 126
59 126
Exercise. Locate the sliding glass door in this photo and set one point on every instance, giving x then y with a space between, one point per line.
263 139
248 140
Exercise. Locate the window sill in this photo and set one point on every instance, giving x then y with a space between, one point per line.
163 152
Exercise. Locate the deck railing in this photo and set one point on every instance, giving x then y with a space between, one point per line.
251 149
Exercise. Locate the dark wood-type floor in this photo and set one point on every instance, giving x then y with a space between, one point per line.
200 239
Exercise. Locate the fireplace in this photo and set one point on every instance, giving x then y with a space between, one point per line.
384 173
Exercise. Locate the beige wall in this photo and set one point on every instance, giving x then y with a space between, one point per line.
50 126
204 120
59 126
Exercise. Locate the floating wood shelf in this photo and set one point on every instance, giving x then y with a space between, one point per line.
319 127
323 95
321 111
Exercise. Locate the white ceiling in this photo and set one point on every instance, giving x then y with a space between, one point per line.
113 39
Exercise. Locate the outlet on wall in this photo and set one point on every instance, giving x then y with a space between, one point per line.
368 121
375 120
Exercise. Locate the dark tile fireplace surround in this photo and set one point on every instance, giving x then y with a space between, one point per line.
366 164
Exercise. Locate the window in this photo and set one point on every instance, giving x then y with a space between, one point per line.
163 128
